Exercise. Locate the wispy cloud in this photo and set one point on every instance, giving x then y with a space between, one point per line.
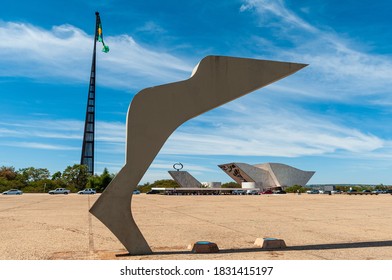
340 67
36 145
151 27
109 135
54 129
64 53
279 131
234 129
277 8
168 165
340 71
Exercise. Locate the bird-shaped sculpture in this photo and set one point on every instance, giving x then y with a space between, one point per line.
216 80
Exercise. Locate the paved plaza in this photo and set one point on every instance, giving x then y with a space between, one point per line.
333 227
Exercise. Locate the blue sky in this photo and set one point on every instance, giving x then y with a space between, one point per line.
332 117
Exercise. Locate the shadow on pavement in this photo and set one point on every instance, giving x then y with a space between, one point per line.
366 244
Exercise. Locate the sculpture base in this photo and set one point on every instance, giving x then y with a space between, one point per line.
205 247
270 243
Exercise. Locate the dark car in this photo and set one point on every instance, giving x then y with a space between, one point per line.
252 192
153 192
239 192
267 192
280 192
388 191
313 192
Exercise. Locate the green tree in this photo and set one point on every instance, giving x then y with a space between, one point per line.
76 176
32 174
56 176
9 184
342 188
295 189
42 186
146 187
158 184
99 183
93 182
105 179
8 172
231 185
9 179
381 187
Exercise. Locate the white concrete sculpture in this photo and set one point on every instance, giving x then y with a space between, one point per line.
216 80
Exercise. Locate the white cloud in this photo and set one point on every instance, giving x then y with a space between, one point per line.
280 131
36 145
277 8
339 67
234 129
168 165
358 73
151 27
112 132
55 129
64 53
108 134
338 70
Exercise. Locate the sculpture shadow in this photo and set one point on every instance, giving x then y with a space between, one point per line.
331 246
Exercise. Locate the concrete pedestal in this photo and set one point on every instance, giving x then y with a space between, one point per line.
270 243
205 247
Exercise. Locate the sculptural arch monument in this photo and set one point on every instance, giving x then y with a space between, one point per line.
215 81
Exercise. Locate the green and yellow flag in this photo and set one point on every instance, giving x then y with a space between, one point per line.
105 48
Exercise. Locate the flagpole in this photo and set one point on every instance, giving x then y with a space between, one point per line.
87 157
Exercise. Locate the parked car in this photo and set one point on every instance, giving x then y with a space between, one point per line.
366 191
267 192
377 191
87 191
238 192
388 191
336 192
136 192
313 192
252 192
280 192
153 192
59 191
13 192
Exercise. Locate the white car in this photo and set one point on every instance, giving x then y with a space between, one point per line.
87 191
13 191
252 192
59 191
239 192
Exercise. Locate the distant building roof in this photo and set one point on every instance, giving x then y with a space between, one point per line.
267 174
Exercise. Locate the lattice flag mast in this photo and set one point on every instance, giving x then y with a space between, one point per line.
87 157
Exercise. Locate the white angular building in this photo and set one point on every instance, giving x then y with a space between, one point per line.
266 175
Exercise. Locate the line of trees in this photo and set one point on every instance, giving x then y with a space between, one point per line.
359 188
39 180
76 177
158 184
168 183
